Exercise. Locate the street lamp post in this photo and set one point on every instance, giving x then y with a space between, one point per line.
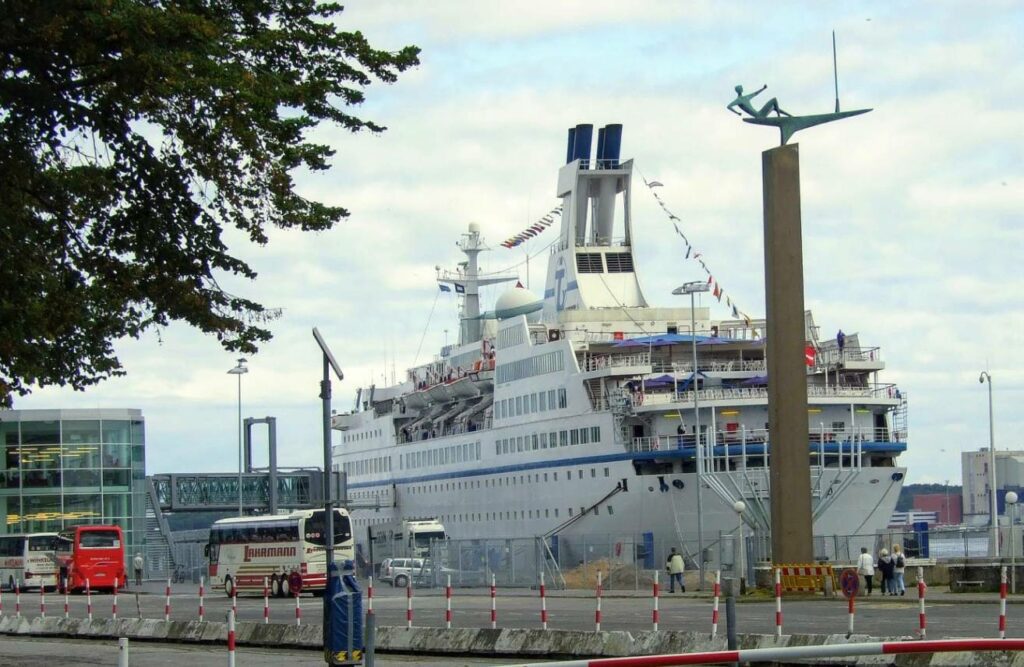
239 370
993 548
739 506
693 288
1011 506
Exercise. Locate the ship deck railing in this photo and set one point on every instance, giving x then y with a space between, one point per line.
872 391
847 441
598 362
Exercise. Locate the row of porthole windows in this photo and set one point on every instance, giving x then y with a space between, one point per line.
469 451
541 401
372 466
363 435
507 480
518 515
576 436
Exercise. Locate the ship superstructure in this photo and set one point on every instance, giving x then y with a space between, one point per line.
582 411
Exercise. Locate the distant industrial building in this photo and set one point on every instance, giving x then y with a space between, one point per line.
948 508
62 468
976 492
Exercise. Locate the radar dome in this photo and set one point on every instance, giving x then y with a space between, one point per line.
474 227
516 301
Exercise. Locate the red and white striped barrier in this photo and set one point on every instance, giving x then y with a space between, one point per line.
766 655
778 602
597 612
1002 603
714 606
266 601
298 610
543 604
655 593
17 599
113 608
42 601
167 601
67 611
494 603
234 600
202 611
231 638
369 597
922 621
448 603
408 604
88 599
849 630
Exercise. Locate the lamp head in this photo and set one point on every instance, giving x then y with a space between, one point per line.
692 288
739 506
1011 498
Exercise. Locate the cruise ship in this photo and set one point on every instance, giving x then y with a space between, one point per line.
589 411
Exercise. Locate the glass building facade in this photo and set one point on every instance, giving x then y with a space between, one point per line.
63 468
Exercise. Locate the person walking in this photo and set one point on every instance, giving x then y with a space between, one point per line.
138 562
866 568
901 566
675 567
888 569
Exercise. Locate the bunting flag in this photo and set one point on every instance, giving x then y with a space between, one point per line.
718 291
536 228
445 288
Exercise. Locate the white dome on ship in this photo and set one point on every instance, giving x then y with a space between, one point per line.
517 301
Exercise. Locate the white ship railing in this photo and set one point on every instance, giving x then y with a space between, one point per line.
616 361
739 393
832 355
849 441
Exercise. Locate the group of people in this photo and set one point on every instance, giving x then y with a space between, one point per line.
891 566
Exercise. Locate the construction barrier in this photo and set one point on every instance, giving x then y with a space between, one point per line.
448 603
714 606
1002 603
494 602
654 592
543 604
922 621
778 602
806 578
408 604
597 611
201 610
787 653
231 638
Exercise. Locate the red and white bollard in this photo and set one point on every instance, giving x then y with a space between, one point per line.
369 597
113 609
923 622
202 611
231 638
67 609
654 612
167 601
234 600
42 601
17 599
448 603
850 611
298 610
714 605
543 604
597 611
1002 603
88 599
408 604
778 602
266 601
494 602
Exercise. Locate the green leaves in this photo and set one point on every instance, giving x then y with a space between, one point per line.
131 134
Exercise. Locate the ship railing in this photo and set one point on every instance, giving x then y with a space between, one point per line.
597 362
739 393
831 356
717 366
823 442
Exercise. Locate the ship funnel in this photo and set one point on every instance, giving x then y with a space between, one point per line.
581 143
571 145
608 145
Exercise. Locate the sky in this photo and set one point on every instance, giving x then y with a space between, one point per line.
912 213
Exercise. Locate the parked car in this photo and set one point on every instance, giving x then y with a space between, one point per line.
400 571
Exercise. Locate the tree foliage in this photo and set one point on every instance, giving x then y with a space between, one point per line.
132 132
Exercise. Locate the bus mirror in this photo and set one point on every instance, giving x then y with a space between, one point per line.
206 550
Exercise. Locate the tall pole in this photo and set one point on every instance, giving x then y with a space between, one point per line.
993 547
239 370
700 455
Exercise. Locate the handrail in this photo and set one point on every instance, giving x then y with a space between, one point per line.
759 436
595 363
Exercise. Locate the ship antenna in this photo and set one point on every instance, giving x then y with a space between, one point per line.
835 69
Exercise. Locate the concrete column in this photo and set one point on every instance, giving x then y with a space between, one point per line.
787 374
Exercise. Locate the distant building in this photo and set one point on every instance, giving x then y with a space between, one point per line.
907 519
63 468
948 508
975 495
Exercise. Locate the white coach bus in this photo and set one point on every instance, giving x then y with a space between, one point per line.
285 549
28 559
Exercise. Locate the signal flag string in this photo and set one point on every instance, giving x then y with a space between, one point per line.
536 228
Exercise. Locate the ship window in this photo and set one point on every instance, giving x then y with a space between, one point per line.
542 401
563 438
570 511
574 436
595 434
555 476
607 473
579 473
546 513
543 440
556 512
519 443
476 450
533 402
551 398
536 441
593 472
584 436
562 398
611 510
519 405
497 446
545 477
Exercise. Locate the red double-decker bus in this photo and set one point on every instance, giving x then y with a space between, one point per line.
93 554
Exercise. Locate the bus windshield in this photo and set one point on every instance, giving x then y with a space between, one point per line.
42 543
315 529
99 539
423 539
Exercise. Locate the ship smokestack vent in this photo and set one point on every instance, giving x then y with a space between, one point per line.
571 146
581 150
609 157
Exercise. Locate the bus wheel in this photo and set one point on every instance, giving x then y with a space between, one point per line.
229 586
285 588
275 587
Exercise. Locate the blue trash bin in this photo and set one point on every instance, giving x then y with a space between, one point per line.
343 602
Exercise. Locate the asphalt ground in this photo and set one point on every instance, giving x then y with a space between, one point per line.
948 615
